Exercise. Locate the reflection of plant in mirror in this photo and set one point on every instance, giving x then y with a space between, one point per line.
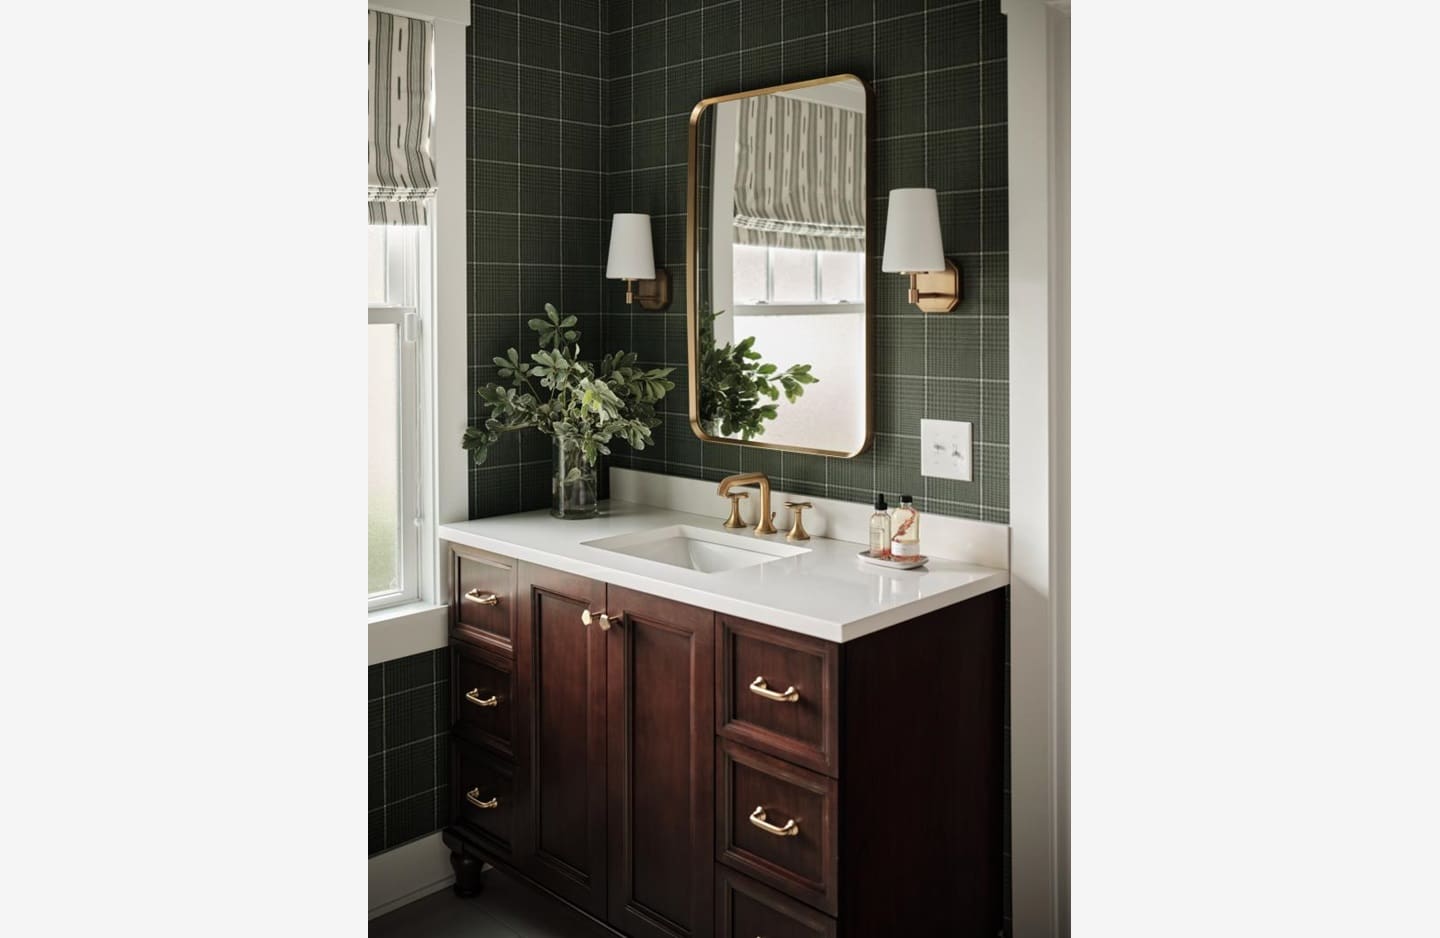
587 405
733 379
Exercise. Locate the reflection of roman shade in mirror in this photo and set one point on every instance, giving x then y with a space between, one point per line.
799 175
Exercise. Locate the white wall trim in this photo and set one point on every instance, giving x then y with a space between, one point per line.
447 463
1038 92
408 872
407 630
454 11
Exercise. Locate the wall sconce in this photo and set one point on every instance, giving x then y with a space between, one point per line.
913 246
632 259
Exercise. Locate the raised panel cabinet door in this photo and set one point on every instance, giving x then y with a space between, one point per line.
560 689
661 711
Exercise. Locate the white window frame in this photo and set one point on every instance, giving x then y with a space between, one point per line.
411 628
408 275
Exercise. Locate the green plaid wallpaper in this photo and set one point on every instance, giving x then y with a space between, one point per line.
409 748
536 212
579 108
937 70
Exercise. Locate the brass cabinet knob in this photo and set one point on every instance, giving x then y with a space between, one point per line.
762 689
797 527
598 618
483 598
473 796
788 829
735 521
474 697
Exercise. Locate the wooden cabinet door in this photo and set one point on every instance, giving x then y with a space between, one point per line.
560 678
661 711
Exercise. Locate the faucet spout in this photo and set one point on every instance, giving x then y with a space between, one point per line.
765 524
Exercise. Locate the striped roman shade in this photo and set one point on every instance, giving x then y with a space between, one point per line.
800 175
402 170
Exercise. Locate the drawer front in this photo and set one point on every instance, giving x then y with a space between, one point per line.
746 909
777 823
482 689
483 794
779 692
484 600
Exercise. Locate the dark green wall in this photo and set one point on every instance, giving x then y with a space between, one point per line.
579 110
409 748
938 74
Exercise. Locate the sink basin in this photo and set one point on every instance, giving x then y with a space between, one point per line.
681 545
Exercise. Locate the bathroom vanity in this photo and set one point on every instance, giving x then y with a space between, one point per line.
679 740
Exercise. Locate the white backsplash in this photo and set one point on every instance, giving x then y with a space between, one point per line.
980 542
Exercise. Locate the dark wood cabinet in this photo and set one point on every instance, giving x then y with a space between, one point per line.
661 714
674 773
560 694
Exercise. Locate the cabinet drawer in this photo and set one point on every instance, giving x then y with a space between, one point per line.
484 600
483 794
777 823
757 666
482 688
746 909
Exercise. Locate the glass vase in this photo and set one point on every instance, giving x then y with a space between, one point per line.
575 488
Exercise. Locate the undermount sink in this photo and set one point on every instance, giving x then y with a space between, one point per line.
681 545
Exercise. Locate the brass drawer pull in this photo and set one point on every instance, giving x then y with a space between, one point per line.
790 828
484 599
600 619
789 695
473 796
474 697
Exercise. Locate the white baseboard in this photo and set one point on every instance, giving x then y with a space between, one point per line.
409 872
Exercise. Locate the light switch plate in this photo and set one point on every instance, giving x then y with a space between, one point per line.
945 449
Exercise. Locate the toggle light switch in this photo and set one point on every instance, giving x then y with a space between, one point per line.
945 449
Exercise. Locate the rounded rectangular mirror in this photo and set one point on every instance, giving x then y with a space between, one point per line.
778 277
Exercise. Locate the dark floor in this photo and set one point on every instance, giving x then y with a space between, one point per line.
506 909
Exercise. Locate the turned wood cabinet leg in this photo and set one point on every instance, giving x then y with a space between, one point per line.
468 880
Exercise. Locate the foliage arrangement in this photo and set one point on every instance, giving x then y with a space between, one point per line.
584 406
733 379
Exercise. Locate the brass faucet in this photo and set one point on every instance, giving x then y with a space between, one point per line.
766 522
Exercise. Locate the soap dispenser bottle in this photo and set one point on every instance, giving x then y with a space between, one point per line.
905 541
880 528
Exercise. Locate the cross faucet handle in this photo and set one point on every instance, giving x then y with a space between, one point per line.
797 527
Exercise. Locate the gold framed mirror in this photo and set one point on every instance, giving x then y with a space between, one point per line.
779 292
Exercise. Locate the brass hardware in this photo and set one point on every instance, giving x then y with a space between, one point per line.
789 694
937 291
473 796
651 294
600 618
735 521
789 829
766 518
797 528
484 599
474 697
692 280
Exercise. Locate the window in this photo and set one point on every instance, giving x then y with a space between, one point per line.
399 285
765 276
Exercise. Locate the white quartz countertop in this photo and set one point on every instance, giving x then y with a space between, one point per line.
827 592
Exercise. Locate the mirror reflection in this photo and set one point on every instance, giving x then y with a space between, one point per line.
778 278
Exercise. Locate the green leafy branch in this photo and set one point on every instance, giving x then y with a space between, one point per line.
739 391
585 406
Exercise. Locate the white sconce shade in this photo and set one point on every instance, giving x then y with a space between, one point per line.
632 256
912 233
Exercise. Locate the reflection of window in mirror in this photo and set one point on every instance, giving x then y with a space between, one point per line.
791 275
